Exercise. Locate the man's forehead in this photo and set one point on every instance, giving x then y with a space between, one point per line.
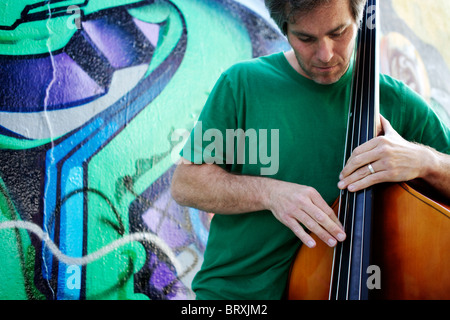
324 19
304 32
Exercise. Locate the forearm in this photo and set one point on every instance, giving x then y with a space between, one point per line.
437 171
212 189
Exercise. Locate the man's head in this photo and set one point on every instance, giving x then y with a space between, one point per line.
321 33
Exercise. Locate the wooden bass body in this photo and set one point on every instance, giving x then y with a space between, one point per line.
410 245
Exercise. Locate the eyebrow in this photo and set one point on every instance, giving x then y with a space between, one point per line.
302 34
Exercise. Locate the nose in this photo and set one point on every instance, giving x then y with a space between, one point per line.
325 51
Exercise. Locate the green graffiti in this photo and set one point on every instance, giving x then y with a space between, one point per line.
29 27
172 28
17 256
127 165
20 144
210 50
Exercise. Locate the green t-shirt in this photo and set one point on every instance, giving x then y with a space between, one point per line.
295 129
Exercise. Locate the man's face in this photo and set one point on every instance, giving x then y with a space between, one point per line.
323 41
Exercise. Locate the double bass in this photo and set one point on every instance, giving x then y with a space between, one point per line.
398 238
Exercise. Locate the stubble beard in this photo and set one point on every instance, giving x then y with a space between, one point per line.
325 78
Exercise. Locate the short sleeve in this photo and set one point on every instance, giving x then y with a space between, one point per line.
207 141
412 117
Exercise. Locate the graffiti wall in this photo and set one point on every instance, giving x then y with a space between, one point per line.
415 48
91 94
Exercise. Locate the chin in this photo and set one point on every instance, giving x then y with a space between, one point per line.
328 77
326 80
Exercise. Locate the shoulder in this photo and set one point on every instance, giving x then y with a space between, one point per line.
394 90
391 88
254 68
401 105
411 115
399 100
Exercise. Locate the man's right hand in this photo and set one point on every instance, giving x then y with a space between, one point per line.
296 206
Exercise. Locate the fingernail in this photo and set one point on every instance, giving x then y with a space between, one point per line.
341 176
341 237
341 185
351 188
310 244
332 242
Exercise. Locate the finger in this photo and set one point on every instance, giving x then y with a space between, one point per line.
322 225
327 217
365 147
379 126
317 229
296 227
368 181
386 125
359 160
316 216
357 175
324 211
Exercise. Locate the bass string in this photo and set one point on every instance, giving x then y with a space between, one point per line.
368 119
369 45
344 195
368 97
365 101
364 87
355 138
370 125
344 200
351 125
356 114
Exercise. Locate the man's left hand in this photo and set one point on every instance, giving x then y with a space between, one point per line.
386 158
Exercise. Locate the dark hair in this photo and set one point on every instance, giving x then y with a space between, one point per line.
283 10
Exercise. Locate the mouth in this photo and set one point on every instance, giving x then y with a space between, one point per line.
326 69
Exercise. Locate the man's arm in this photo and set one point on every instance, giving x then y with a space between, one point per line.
395 160
210 188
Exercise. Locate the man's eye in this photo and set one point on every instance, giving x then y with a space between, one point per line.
339 34
306 40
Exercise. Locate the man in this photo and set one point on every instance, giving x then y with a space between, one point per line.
304 94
